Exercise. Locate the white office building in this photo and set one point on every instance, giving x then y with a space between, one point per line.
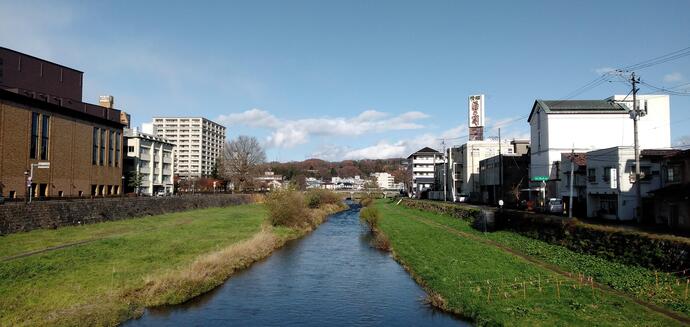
151 158
199 142
562 126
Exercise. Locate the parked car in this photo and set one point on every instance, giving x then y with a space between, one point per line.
463 198
555 206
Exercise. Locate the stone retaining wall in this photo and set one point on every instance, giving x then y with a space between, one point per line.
19 217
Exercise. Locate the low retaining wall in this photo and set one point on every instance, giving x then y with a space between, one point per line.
652 251
19 217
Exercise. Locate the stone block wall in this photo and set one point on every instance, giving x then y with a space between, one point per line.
20 217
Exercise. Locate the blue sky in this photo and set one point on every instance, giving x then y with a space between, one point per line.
352 79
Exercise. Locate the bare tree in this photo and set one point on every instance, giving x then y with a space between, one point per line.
241 158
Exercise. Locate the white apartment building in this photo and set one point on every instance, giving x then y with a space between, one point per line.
385 181
463 170
559 126
421 164
199 142
151 157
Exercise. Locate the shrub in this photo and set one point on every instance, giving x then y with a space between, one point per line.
318 197
366 201
370 216
381 241
286 207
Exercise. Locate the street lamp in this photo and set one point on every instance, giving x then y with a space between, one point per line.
29 180
122 187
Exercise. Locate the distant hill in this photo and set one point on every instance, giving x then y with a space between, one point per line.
326 169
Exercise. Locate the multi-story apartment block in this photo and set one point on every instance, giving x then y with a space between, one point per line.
43 120
421 164
385 181
151 158
198 143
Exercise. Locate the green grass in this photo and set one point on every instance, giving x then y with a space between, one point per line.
462 269
634 280
53 283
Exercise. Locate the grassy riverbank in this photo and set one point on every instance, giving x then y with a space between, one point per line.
109 272
491 285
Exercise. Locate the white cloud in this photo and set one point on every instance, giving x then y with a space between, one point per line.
673 77
603 70
385 149
288 133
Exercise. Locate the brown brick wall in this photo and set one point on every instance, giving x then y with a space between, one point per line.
70 146
19 217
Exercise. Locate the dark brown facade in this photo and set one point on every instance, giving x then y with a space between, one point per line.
42 119
27 72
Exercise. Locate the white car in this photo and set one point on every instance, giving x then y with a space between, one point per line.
555 206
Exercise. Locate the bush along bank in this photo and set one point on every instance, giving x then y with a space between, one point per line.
370 216
467 274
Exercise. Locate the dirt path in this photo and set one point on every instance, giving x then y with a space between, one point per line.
602 287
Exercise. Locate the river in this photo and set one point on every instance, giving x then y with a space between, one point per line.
332 277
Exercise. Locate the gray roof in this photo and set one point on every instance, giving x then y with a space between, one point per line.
579 107
425 150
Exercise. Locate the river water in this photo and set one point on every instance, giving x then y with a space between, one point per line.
332 277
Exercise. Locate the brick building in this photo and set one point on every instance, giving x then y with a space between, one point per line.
43 119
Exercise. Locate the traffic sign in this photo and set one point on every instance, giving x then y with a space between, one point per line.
540 178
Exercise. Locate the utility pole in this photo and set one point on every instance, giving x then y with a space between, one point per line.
500 168
635 115
572 177
445 170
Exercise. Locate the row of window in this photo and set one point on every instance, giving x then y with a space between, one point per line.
103 190
40 133
100 138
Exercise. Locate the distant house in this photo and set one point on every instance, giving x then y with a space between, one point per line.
421 164
269 181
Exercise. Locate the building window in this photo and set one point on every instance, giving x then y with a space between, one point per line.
111 144
607 174
592 175
117 148
94 155
45 133
33 146
673 174
102 149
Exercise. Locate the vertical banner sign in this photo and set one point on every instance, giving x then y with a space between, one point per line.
613 174
476 111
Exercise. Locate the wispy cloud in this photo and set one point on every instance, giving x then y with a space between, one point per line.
603 70
287 133
674 77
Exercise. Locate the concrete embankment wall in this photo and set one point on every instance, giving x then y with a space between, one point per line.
19 217
631 247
